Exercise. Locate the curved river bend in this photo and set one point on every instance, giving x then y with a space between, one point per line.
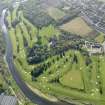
24 88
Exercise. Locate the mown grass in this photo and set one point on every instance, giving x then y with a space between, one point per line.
33 31
73 79
100 38
46 32
14 14
13 40
25 33
9 19
102 71
55 13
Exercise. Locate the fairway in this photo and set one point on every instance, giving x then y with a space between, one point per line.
77 26
73 79
100 38
13 40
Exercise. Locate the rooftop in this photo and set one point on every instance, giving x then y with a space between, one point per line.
8 100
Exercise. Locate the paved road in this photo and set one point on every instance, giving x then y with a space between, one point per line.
24 88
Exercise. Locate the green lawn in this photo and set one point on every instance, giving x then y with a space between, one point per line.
19 38
14 14
102 70
47 32
13 40
32 30
55 13
25 33
73 79
9 19
100 38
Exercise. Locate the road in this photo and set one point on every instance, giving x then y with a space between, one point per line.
24 88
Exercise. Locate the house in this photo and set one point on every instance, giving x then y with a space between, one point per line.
8 100
103 46
94 48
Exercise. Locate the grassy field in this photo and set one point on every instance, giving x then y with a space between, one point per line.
1 80
14 14
100 38
77 26
73 79
9 19
32 30
55 13
102 71
13 40
47 32
102 0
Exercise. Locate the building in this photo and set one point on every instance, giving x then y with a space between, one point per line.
103 46
94 48
8 100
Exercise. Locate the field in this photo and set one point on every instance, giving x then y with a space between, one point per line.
102 0
55 13
73 79
100 38
1 80
77 26
47 32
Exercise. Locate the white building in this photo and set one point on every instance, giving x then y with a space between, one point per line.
94 48
103 46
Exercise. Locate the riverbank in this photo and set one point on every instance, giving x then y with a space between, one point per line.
48 97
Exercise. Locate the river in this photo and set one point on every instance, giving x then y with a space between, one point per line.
22 85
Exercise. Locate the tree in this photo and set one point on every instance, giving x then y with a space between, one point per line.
75 59
88 61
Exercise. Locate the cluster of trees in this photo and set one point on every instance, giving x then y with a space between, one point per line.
40 69
43 67
37 54
60 45
14 23
88 61
64 43
2 63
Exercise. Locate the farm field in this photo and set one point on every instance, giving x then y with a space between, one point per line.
77 26
55 13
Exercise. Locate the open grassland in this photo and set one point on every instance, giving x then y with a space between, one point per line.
13 40
102 71
73 79
25 33
46 32
49 31
9 19
14 14
1 80
100 38
32 30
77 26
102 0
55 13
